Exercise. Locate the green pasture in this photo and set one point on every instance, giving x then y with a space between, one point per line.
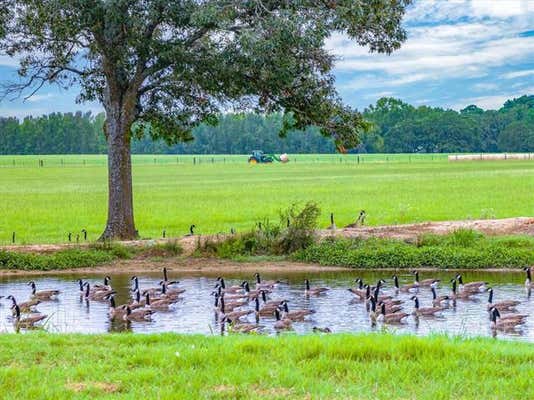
169 366
69 193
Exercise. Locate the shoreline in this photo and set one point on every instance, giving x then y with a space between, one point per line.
213 266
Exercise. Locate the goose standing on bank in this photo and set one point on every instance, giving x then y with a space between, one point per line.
332 226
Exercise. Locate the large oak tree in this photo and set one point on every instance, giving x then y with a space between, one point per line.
161 67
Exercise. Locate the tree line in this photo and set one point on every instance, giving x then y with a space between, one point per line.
397 127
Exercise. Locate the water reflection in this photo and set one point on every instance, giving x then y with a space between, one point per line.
338 309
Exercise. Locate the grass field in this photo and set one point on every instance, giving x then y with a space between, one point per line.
339 366
43 204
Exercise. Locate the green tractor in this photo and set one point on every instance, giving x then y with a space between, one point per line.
259 157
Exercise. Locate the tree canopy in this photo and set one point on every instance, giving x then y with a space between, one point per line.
396 127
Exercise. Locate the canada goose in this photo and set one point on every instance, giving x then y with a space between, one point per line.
391 317
219 300
498 323
282 324
424 282
238 326
373 315
425 311
362 292
44 295
264 284
154 291
463 295
376 292
233 315
438 300
504 305
267 310
137 301
162 304
475 287
252 294
114 311
317 329
359 221
510 317
28 321
332 225
396 283
410 287
528 282
315 290
96 296
390 307
139 315
105 286
167 289
82 287
231 296
294 315
231 289
24 307
191 230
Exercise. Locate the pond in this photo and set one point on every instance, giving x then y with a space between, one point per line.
338 309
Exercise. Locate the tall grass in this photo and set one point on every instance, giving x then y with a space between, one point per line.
377 366
45 204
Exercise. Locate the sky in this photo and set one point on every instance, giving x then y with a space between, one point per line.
458 52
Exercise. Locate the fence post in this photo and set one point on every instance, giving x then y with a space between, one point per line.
13 237
194 160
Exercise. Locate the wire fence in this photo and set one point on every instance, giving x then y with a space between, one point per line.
92 160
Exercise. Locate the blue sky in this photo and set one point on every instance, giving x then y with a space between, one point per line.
458 52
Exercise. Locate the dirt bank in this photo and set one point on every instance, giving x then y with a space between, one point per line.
189 265
507 226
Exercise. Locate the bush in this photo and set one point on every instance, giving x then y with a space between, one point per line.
295 231
465 249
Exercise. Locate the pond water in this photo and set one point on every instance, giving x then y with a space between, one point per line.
337 309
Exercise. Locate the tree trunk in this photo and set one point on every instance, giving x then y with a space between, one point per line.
120 224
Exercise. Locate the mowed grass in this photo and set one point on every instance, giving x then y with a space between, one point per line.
169 366
170 192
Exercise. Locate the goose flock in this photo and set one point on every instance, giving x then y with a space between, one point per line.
247 307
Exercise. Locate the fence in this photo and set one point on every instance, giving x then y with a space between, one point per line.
101 160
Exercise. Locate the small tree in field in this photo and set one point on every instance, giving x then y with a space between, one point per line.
161 67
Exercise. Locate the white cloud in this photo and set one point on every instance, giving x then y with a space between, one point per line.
485 86
518 74
41 97
492 102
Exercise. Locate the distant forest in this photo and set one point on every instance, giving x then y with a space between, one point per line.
397 127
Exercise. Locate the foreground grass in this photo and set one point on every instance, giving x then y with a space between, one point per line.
42 205
169 366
